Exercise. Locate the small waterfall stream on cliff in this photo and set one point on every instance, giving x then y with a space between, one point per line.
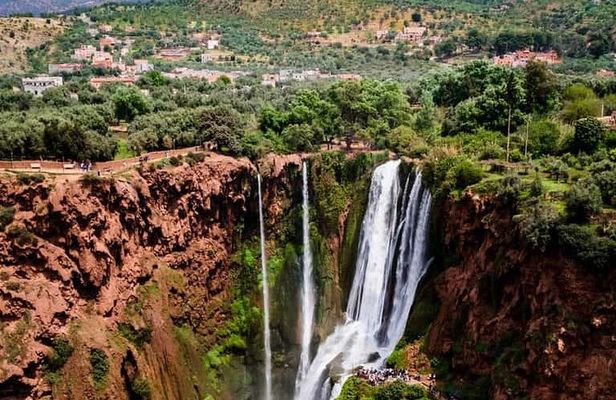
307 295
391 261
266 302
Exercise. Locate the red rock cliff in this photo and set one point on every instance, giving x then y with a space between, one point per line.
520 323
78 257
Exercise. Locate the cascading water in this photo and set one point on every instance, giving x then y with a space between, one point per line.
391 262
266 302
307 295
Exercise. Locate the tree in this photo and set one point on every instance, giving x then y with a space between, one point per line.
222 125
446 48
589 134
299 137
598 45
583 200
129 103
543 137
540 87
416 17
475 39
513 94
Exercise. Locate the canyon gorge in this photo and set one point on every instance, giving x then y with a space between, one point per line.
151 284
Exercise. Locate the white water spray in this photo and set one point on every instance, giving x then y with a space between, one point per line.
266 302
391 262
307 295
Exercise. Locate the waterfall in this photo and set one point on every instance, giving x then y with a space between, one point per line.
266 302
307 294
391 261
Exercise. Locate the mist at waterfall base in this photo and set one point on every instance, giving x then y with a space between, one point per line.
391 261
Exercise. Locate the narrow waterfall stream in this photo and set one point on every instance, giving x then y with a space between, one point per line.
266 302
391 261
307 295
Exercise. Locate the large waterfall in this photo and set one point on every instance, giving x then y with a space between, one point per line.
391 262
307 295
266 302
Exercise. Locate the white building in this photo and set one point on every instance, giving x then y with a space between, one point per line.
206 58
213 44
38 85
143 66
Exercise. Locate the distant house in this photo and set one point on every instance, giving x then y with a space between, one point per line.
213 44
97 82
174 53
604 73
102 59
92 31
206 58
105 28
55 69
381 34
38 85
411 34
270 79
143 66
107 41
84 52
521 58
349 77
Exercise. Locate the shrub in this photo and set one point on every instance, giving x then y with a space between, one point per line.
13 286
536 186
509 189
20 235
138 337
399 390
583 200
583 245
61 351
451 172
28 179
140 387
175 161
100 366
6 216
537 224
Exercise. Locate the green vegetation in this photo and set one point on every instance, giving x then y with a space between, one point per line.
14 341
357 389
6 216
61 351
100 367
137 336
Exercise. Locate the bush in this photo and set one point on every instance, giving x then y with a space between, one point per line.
28 179
537 225
140 387
583 245
6 216
20 235
61 351
583 200
100 366
509 189
399 390
451 172
138 337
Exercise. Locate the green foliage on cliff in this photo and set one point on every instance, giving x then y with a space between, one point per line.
99 362
357 389
137 336
6 216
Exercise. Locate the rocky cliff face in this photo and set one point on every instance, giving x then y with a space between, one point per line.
110 270
514 322
146 285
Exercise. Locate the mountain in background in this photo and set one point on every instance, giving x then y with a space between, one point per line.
8 7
